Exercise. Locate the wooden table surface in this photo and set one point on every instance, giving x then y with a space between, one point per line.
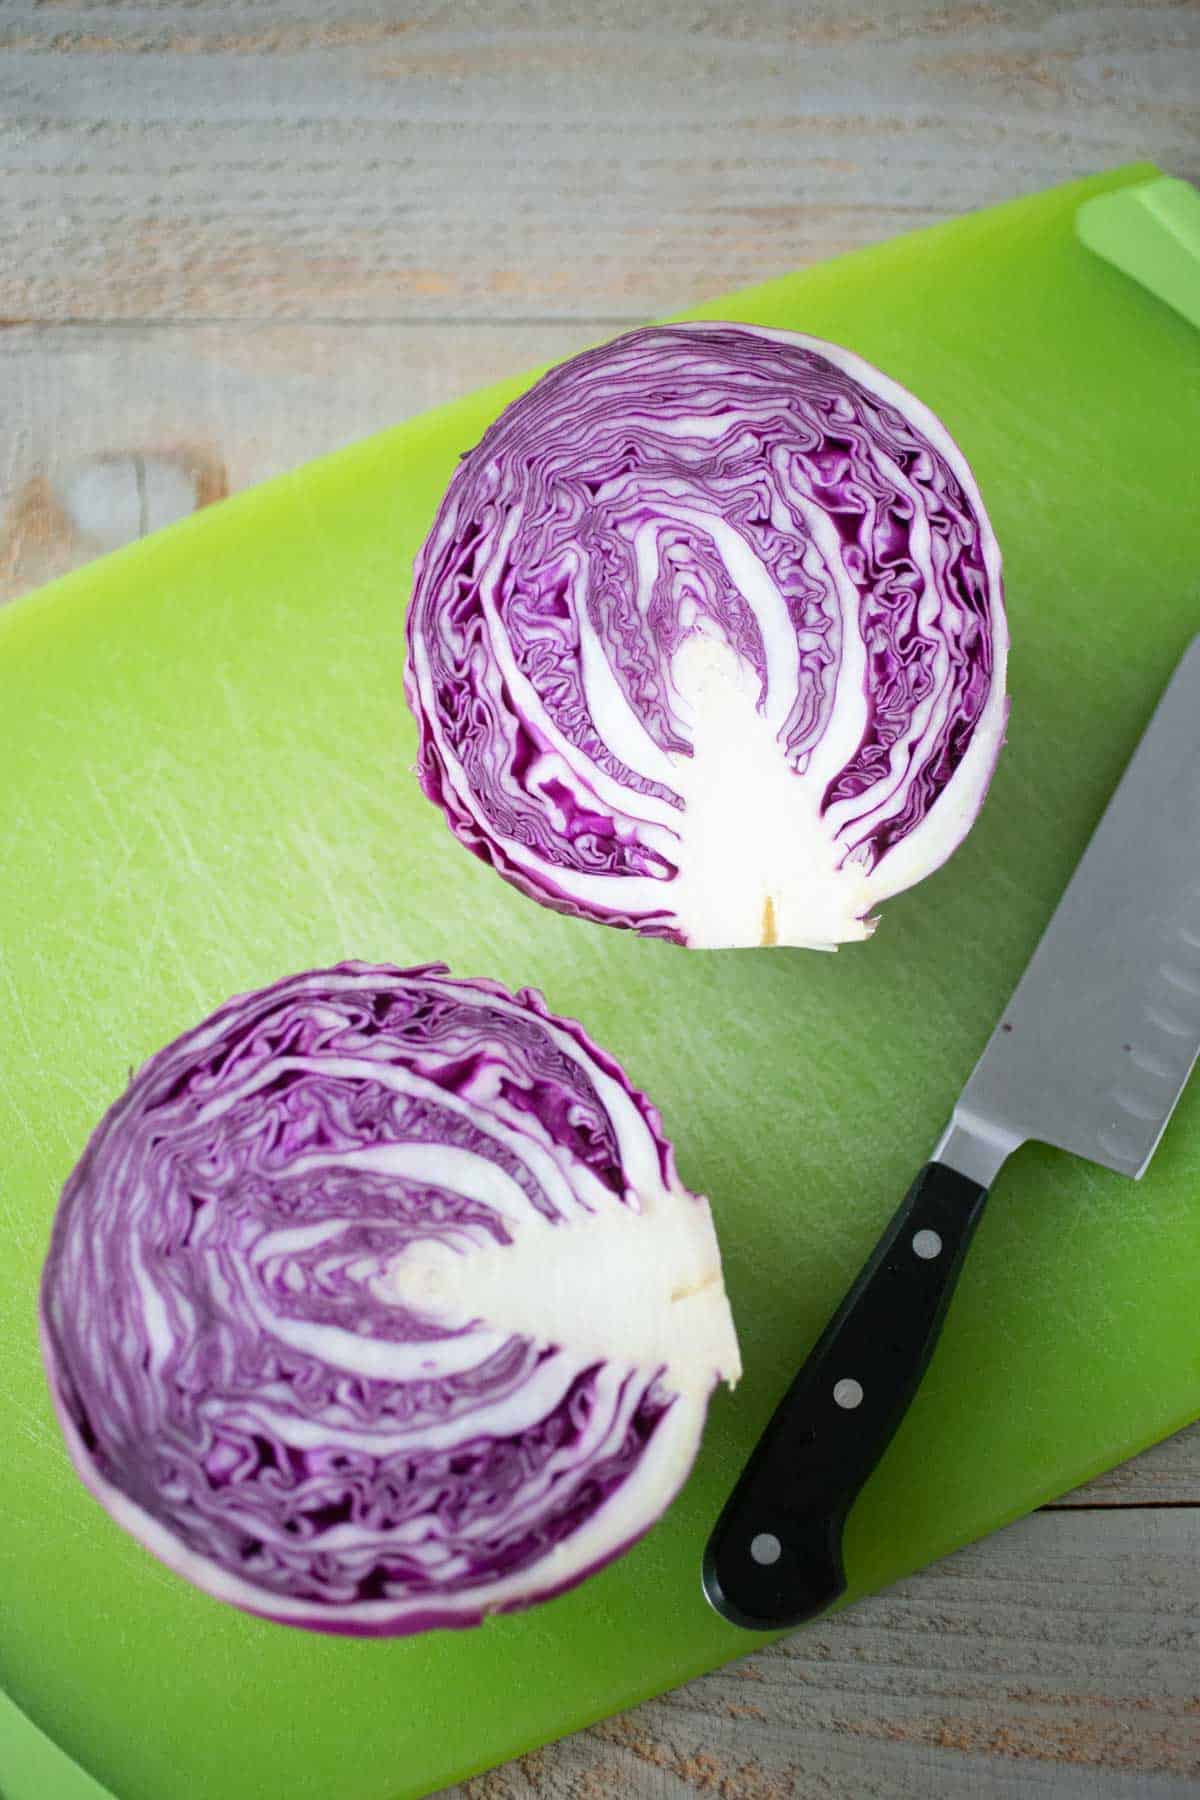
236 236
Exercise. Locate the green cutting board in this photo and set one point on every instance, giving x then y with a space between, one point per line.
206 782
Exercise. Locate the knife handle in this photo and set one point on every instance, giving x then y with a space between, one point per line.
775 1556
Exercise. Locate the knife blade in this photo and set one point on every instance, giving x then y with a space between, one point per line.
1090 1055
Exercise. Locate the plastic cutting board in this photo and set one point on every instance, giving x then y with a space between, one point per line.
205 782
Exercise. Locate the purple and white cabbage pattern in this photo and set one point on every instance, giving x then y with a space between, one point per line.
376 1304
708 639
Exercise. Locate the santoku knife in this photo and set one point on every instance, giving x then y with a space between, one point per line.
1090 1055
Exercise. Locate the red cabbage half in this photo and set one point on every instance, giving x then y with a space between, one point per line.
708 640
376 1304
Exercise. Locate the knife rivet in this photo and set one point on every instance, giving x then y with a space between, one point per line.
766 1549
848 1393
926 1245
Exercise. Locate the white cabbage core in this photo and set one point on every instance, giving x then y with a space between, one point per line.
757 863
635 1287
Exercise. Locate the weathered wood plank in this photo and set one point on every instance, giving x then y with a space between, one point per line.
1167 1475
221 407
297 158
1060 1657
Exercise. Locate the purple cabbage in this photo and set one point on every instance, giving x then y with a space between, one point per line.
708 640
376 1304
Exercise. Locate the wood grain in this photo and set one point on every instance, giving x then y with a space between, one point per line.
1059 1657
238 403
302 158
1167 1475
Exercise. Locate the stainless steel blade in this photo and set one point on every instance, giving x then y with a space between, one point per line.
1103 1028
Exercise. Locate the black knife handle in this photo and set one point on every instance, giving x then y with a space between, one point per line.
775 1556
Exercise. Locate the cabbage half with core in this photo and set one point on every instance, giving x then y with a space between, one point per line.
376 1304
708 640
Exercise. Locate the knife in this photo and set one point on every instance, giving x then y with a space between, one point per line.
1090 1055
